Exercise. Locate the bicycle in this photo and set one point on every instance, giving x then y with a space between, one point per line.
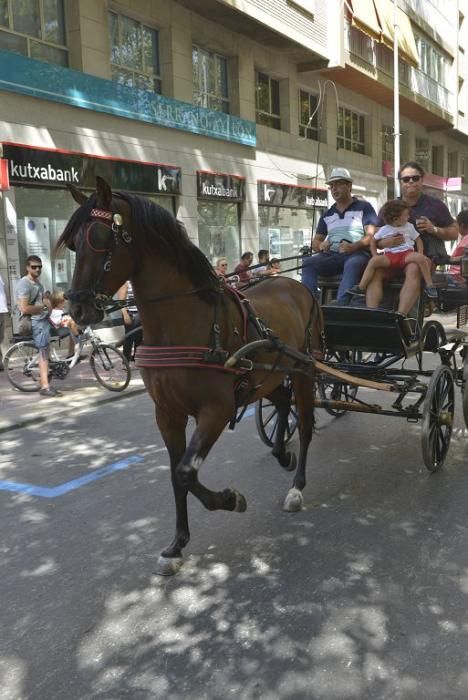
108 364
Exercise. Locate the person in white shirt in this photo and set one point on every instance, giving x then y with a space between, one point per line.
395 214
3 313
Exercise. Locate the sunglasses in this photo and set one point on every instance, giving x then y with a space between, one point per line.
36 267
411 178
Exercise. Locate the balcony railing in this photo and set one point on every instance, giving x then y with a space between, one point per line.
372 55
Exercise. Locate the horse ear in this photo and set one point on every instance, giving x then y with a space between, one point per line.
79 197
104 193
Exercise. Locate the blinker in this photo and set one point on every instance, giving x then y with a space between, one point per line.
117 219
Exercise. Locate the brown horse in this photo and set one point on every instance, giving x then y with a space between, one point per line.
184 307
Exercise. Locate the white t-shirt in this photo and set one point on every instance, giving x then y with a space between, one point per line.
408 231
3 301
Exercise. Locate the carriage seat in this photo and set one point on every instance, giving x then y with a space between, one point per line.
370 330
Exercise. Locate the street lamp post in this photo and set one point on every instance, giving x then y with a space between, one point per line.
396 101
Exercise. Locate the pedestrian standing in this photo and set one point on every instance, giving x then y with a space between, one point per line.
3 313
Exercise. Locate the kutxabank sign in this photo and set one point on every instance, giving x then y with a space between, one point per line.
50 82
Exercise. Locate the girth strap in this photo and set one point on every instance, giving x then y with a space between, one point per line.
183 356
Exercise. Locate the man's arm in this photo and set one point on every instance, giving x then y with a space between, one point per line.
362 244
30 309
122 296
319 244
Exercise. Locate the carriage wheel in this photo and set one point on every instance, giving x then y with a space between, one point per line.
266 419
437 421
330 390
465 385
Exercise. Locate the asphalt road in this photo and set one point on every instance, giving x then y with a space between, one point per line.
362 595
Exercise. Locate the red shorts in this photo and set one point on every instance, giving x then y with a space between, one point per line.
397 262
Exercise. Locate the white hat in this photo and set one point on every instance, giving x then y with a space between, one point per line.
339 174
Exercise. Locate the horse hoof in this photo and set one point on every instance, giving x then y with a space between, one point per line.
293 501
168 566
291 465
241 503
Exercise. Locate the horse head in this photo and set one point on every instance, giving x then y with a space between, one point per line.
98 233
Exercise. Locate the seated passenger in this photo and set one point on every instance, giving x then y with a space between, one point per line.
395 213
435 224
242 268
341 242
455 278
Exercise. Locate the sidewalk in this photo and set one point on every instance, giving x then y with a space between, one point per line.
80 390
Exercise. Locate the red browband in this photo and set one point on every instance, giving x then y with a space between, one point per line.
101 214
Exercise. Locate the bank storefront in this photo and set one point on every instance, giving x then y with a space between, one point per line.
37 203
220 196
287 215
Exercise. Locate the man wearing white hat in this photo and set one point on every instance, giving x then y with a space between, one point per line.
341 242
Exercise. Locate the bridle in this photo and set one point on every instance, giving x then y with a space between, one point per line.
120 235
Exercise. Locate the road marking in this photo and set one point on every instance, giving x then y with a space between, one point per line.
55 491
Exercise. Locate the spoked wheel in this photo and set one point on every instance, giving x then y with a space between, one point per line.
266 419
110 367
437 421
465 385
331 390
22 366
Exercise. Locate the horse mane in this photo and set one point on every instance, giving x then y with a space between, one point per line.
158 232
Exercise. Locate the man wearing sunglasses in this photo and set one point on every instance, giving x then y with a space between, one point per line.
31 302
434 223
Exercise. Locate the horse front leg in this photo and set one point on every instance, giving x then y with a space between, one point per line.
173 433
210 424
304 392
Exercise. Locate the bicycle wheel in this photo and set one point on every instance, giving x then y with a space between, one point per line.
22 366
110 367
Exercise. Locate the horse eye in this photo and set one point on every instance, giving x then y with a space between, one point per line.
99 237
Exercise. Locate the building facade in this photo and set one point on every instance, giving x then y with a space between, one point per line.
231 114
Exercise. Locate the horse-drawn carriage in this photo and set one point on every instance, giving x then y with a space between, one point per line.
397 354
207 352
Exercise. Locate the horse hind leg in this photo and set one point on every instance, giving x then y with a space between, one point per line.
304 392
281 399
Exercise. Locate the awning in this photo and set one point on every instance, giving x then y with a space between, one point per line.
406 41
364 18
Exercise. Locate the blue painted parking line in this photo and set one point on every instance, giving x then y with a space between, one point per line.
54 492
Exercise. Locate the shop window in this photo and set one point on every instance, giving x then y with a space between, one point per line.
284 230
351 130
134 53
210 80
219 231
267 101
308 115
34 28
41 217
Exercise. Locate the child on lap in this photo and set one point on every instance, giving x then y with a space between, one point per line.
395 213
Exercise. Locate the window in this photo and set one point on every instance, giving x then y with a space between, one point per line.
267 101
308 115
388 143
210 80
350 130
34 28
465 169
421 154
453 164
438 160
134 53
432 61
